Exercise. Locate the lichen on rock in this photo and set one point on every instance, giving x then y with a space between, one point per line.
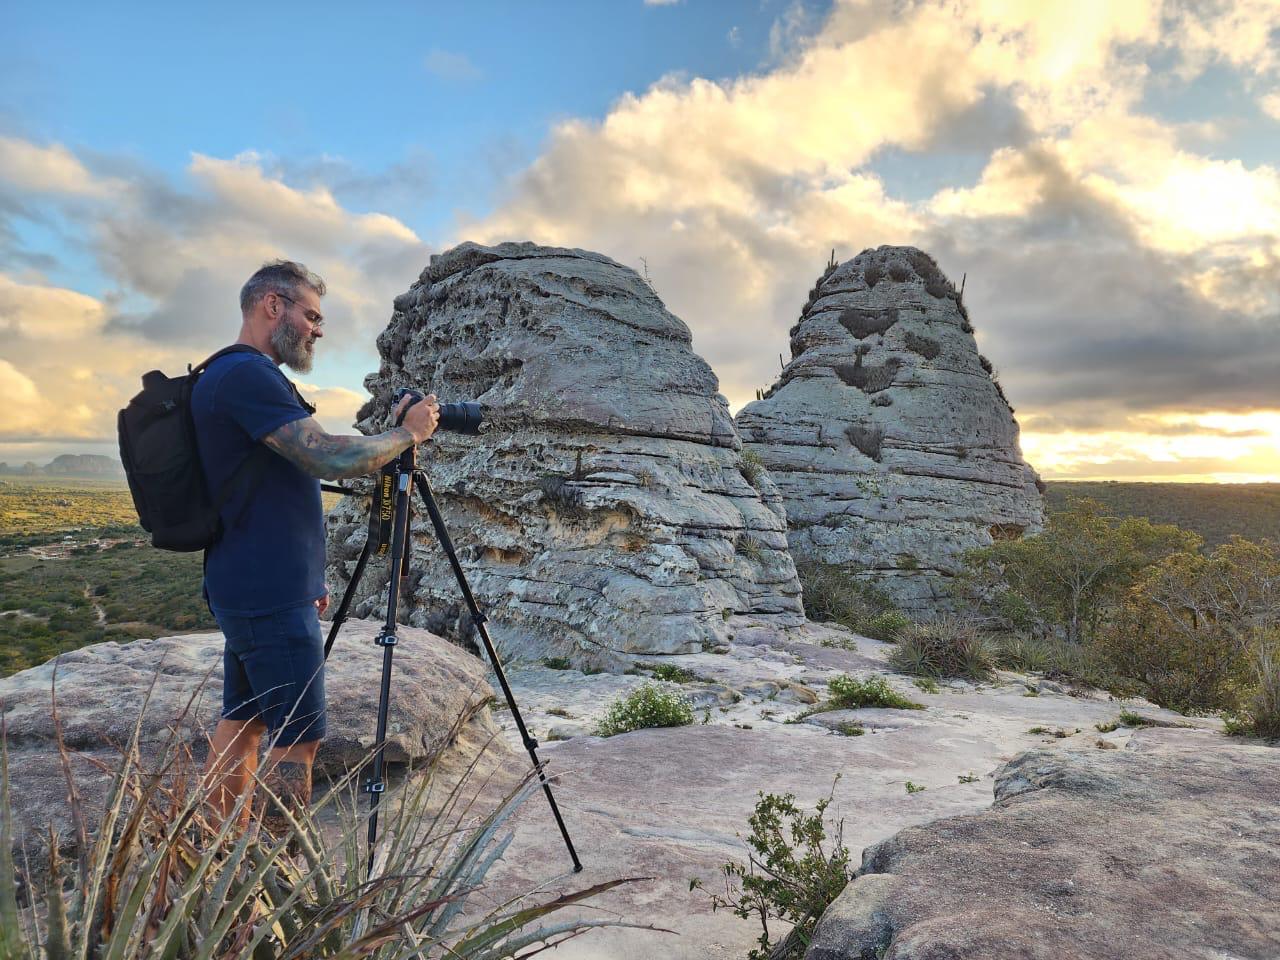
606 508
887 434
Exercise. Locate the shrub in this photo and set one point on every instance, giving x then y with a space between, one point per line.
1188 627
946 647
873 274
793 872
752 467
671 673
848 692
869 378
887 626
655 704
832 592
1258 710
1062 660
868 438
925 347
751 548
938 287
862 322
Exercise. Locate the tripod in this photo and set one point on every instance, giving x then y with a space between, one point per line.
391 508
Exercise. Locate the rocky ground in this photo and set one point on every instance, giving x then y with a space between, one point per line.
671 803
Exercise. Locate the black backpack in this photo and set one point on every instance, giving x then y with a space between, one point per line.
161 460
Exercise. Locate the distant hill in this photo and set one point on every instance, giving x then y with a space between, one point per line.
1213 510
70 465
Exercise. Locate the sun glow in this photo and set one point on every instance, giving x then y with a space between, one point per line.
1214 447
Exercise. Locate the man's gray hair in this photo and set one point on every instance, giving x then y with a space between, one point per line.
278 276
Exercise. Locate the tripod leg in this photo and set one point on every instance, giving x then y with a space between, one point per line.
375 786
479 619
340 617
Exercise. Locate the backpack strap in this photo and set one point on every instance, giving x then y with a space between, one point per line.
249 473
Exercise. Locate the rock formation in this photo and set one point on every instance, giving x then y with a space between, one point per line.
606 508
888 435
439 692
1167 849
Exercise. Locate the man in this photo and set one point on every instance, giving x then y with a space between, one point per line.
264 579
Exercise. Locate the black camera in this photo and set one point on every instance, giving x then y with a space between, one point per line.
463 417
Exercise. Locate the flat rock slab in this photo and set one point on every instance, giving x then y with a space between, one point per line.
438 690
1166 849
671 804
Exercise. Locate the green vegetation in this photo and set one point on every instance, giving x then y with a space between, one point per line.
926 685
670 672
946 647
752 468
1258 712
969 778
915 788
76 569
833 593
159 880
1190 629
655 704
848 692
557 663
34 509
849 729
1214 511
1138 609
793 872
122 592
1067 578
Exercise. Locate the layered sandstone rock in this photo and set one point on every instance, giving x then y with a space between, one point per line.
606 508
887 434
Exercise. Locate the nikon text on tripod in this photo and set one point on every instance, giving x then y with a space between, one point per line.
392 501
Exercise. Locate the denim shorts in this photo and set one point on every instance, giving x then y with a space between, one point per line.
273 670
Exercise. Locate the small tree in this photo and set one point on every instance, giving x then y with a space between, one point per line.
1187 628
793 873
1071 576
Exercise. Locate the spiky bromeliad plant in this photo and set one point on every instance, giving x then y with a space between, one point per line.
160 881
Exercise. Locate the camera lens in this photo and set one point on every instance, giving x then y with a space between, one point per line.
461 417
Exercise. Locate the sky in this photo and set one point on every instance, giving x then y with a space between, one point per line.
1102 174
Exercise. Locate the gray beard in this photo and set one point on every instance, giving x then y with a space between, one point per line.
295 350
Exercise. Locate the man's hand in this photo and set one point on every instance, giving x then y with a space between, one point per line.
420 419
323 603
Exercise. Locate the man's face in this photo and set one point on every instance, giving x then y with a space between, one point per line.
298 327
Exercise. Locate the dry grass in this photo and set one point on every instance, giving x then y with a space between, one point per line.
946 647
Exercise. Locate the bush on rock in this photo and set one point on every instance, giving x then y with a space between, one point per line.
656 704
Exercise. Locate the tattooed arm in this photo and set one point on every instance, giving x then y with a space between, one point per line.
320 454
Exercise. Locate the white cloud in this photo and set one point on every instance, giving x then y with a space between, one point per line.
47 169
175 256
47 313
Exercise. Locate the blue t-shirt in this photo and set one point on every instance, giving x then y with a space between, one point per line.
271 554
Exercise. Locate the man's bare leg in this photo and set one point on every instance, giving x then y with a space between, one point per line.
229 769
288 775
